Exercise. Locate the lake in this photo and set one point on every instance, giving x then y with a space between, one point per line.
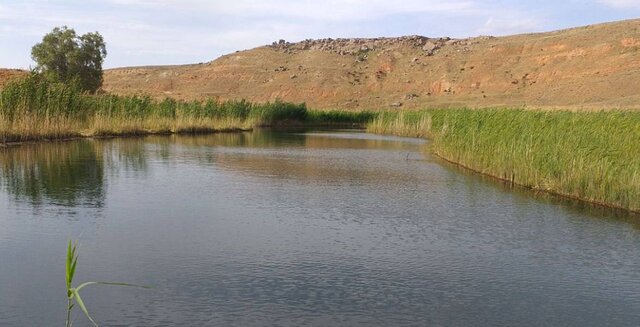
315 228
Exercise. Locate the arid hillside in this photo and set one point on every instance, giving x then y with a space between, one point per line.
588 67
7 75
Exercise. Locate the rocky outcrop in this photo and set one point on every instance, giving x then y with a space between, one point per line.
358 46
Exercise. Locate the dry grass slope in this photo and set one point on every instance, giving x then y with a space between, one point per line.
592 67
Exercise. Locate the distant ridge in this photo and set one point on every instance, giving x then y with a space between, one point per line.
592 67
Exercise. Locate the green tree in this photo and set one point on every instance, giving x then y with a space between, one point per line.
65 57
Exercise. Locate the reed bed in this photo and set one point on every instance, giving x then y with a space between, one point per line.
340 117
34 109
593 156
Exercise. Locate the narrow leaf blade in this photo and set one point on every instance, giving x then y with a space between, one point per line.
110 283
83 307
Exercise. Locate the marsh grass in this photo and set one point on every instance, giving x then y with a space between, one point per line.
340 117
34 109
593 156
409 124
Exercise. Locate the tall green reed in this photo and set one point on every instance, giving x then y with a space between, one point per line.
73 293
33 108
594 156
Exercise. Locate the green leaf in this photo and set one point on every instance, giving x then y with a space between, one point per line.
82 306
81 286
68 266
73 269
72 261
109 283
73 293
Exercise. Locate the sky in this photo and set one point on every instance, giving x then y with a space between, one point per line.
159 32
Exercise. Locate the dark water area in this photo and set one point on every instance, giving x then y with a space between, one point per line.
300 228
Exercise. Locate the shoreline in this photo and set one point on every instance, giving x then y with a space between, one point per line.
291 125
588 157
185 131
532 189
121 135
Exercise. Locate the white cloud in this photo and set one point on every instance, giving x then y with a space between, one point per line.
182 31
505 25
621 3
331 10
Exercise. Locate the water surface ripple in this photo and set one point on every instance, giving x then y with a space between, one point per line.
294 229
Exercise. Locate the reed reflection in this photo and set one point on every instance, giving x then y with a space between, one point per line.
66 174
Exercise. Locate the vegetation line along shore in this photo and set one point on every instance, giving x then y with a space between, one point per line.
591 156
34 108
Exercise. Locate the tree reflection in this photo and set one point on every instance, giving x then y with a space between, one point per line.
67 174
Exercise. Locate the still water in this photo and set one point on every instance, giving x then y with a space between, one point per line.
294 229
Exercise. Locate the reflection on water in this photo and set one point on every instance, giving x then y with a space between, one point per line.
128 154
570 205
67 174
315 228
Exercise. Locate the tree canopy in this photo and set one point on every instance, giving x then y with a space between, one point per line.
63 56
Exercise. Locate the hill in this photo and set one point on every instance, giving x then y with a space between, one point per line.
595 66
7 75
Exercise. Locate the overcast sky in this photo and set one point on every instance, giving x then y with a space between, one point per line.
152 32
